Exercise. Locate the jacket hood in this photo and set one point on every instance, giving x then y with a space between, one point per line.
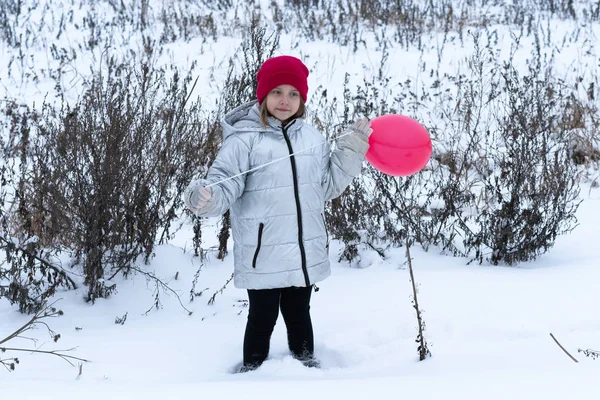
246 118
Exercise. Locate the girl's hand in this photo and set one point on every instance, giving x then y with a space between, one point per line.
202 197
362 129
198 198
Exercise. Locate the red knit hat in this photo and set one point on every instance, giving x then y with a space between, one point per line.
282 70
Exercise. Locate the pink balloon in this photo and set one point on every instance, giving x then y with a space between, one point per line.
399 145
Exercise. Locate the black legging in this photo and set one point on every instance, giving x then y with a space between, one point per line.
263 313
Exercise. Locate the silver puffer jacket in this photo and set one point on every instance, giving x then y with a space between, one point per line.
277 219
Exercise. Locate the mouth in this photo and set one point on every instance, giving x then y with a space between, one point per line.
282 110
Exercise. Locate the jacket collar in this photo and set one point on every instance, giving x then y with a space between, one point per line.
246 118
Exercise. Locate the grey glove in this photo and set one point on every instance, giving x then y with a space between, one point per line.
362 129
198 197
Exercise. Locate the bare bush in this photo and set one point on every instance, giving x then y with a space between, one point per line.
9 13
186 21
409 23
104 178
501 185
512 186
29 272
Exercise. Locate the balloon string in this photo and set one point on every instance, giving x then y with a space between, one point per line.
274 161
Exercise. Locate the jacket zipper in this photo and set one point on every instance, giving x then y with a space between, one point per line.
326 233
298 209
260 230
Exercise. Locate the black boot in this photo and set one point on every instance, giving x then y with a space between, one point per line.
311 362
247 368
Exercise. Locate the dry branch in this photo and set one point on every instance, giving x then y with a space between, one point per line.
423 348
38 319
563 349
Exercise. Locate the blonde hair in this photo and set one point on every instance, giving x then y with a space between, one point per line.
265 114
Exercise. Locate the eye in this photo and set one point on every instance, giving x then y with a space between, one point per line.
276 91
294 94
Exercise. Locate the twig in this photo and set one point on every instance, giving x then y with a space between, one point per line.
163 285
42 313
211 301
46 311
379 251
150 174
9 363
157 303
185 102
423 348
193 293
52 352
593 354
563 349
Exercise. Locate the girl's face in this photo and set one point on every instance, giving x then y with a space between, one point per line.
283 102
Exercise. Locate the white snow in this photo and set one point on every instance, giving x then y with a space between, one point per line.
488 327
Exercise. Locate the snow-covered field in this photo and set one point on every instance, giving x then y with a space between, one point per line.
488 327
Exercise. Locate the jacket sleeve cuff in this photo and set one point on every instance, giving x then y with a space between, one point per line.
355 142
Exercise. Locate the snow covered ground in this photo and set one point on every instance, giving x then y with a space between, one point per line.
488 327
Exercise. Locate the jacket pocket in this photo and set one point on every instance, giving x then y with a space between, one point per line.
260 231
326 233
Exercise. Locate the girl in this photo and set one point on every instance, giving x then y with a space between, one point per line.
275 172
